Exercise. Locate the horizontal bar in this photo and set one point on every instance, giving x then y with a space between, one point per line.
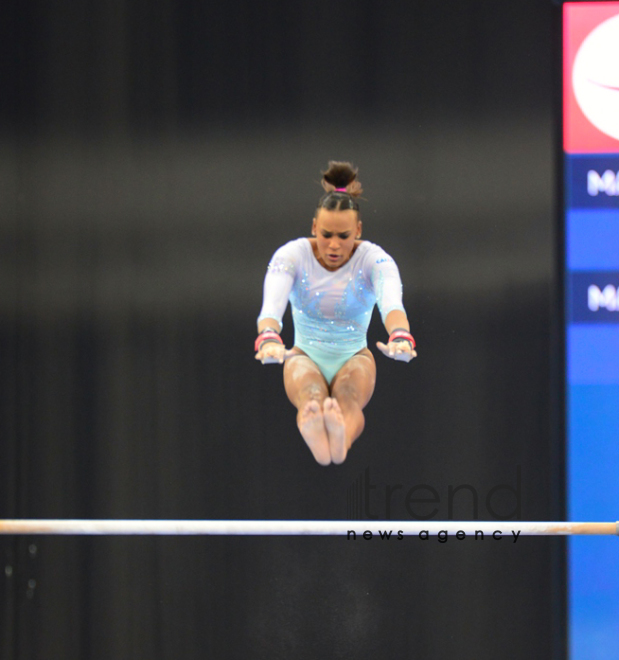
299 527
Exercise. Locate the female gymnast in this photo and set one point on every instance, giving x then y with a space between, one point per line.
332 281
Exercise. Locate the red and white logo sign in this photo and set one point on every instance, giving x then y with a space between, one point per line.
591 77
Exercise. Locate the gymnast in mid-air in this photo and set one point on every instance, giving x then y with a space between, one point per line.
333 280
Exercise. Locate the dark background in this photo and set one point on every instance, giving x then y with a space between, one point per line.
154 155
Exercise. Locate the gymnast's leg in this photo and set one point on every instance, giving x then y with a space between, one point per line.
351 390
307 389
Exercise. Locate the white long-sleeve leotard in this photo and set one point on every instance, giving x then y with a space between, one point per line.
331 310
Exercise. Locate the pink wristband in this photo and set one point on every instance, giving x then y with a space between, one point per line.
402 334
267 335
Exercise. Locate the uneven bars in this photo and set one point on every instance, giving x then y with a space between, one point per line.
298 527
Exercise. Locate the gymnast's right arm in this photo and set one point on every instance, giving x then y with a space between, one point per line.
277 286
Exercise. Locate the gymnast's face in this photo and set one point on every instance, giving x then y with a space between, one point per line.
335 232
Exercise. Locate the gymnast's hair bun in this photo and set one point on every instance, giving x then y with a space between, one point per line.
341 175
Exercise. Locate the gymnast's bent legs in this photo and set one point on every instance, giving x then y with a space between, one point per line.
330 418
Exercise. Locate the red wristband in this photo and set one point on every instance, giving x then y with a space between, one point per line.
402 334
266 335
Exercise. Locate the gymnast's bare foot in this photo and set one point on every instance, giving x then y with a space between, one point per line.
334 423
311 424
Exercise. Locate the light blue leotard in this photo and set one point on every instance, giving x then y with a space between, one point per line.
331 310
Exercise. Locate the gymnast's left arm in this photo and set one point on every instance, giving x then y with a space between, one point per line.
388 289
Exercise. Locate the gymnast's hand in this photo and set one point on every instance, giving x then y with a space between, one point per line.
273 353
401 346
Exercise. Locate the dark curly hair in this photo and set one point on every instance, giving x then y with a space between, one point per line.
340 175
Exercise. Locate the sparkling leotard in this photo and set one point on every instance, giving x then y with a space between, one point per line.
331 310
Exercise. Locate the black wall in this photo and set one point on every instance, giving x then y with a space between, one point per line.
154 155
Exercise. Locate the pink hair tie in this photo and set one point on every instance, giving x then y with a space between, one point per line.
341 190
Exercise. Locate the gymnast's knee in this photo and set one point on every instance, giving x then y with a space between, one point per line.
312 392
345 390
